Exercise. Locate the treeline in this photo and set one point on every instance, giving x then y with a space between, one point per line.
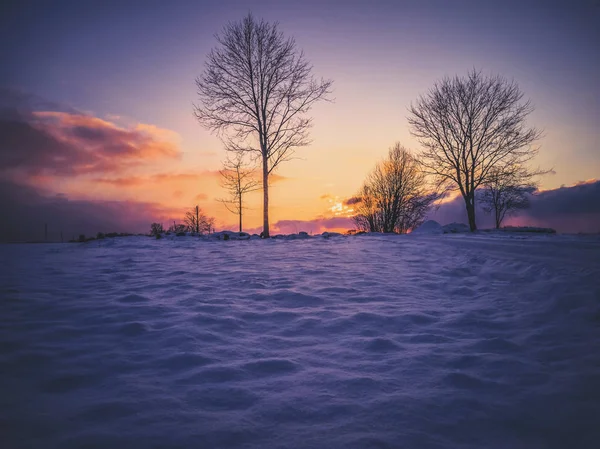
194 221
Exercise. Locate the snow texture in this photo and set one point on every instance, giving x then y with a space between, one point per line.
414 341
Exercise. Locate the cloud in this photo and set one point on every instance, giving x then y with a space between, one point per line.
314 226
26 210
44 143
201 197
352 200
69 143
158 178
567 209
274 177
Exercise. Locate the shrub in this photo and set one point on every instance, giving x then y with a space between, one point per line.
156 228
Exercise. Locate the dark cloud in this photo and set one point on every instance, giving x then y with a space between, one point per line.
25 211
38 137
566 209
24 147
352 200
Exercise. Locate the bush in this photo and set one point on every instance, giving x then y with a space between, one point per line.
156 228
100 235
81 238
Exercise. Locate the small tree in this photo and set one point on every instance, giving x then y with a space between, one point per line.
197 221
156 229
506 191
209 225
238 179
394 197
255 91
469 127
193 219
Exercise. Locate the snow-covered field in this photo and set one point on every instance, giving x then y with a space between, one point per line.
418 341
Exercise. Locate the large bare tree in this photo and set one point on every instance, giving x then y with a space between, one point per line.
470 126
238 179
255 91
395 196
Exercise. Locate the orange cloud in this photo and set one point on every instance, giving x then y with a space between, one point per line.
107 140
273 178
159 178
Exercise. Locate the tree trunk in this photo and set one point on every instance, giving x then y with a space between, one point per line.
240 206
265 197
470 202
498 219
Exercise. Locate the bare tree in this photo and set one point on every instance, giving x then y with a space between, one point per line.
507 190
394 197
156 228
255 91
197 221
238 179
468 127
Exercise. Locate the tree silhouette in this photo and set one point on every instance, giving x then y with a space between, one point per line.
255 91
394 197
469 127
507 190
156 228
238 179
197 221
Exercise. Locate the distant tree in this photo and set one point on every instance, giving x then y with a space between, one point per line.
193 219
470 126
177 227
255 91
394 197
156 228
238 179
209 224
507 190
197 221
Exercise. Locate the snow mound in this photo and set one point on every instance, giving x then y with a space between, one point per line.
454 228
429 227
230 235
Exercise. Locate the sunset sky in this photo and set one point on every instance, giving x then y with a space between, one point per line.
96 103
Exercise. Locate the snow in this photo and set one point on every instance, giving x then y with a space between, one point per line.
454 228
429 227
416 341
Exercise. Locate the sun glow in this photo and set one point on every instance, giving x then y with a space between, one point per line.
338 207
